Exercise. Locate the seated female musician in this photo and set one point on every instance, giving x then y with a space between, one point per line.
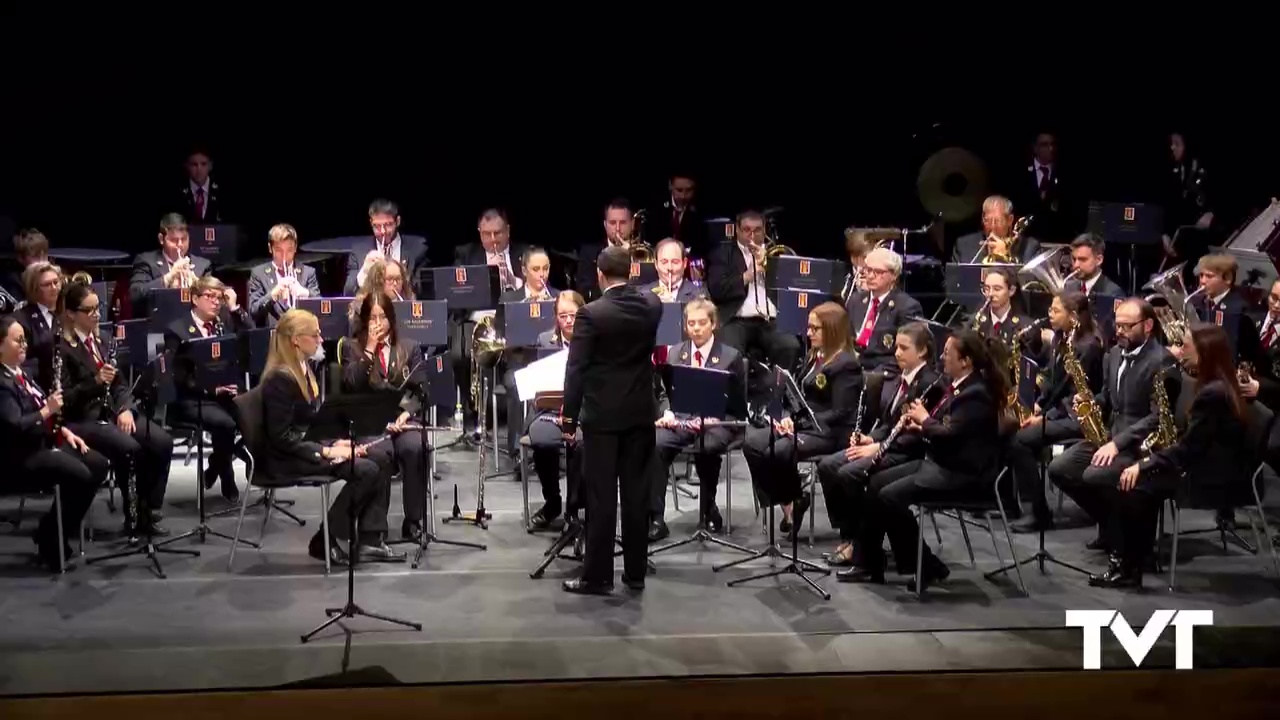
1053 420
99 407
386 277
962 443
43 283
1214 451
844 473
545 437
375 359
1004 314
290 397
830 383
29 443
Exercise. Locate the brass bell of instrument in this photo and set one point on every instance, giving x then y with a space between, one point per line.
1010 254
1168 286
487 346
1044 271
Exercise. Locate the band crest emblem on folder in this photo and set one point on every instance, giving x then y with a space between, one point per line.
802 300
535 310
416 309
804 267
215 350
460 275
185 294
326 307
210 235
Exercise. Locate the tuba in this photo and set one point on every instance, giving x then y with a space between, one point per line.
1169 287
1010 254
487 346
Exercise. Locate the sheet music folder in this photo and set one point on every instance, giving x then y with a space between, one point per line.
216 361
425 322
698 392
465 287
522 322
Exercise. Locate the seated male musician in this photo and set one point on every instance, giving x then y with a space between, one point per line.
172 266
996 236
537 270
736 284
99 407
844 473
1086 472
1087 258
1005 313
671 285
276 287
619 230
384 219
1052 419
496 250
543 429
707 443
214 313
875 314
1222 304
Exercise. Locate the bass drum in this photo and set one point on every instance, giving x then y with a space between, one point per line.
952 184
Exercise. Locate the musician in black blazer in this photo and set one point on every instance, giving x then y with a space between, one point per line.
276 286
172 266
537 269
1222 304
30 246
844 473
290 398
1264 380
679 432
1087 259
376 360
609 392
43 281
30 447
1003 314
876 313
736 284
1041 193
830 381
545 436
1127 404
619 231
411 251
678 217
1215 451
1053 420
671 286
962 436
214 313
200 198
99 407
997 220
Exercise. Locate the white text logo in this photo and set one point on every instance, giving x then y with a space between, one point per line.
1140 644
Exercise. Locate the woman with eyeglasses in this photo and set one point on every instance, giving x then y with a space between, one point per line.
376 360
290 398
98 406
39 453
42 282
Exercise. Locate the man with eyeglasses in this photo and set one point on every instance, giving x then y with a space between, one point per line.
387 242
1088 473
172 266
876 313
215 312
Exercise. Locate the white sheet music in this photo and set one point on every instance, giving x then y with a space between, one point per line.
545 375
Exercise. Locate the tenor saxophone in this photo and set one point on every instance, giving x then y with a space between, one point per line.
1087 412
1166 432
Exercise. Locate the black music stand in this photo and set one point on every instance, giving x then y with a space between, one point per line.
795 566
352 416
157 378
213 363
701 393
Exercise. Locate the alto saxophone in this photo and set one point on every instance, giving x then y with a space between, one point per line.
1166 432
1021 412
1087 412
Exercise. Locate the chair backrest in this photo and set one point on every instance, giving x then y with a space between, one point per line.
1260 421
250 409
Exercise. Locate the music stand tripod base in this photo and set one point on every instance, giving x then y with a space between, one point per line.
148 548
572 533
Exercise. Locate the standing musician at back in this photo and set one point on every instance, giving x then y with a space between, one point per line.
708 443
545 437
172 266
830 382
671 285
736 283
844 474
1263 380
290 398
876 313
376 360
996 241
1222 304
275 287
1005 313
39 452
1127 405
1188 207
43 282
1053 419
962 443
1213 449
99 407
214 313
609 392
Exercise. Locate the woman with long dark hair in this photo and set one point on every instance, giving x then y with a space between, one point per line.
963 435
1213 451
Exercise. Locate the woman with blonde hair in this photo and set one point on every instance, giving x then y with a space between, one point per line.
290 397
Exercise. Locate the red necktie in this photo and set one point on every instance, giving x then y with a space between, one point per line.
382 359
200 203
1269 337
93 351
865 336
208 329
995 327
943 403
697 357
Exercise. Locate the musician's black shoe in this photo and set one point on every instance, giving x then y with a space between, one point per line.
658 529
934 571
156 516
337 553
230 491
1030 524
155 530
1119 575
579 586
210 477
798 510
545 518
713 523
784 526
380 552
411 530
47 549
857 574
632 584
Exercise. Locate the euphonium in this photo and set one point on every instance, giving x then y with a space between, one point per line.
1008 254
1168 286
1166 433
1087 412
80 276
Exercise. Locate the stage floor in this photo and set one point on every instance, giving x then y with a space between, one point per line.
114 627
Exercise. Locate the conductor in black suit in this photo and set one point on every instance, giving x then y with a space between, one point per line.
172 266
609 392
384 219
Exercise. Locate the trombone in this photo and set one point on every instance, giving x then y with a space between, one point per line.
1009 254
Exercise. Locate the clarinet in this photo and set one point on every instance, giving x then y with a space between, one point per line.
897 429
857 419
57 378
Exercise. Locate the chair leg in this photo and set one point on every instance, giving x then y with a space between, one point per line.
937 534
919 552
675 491
1004 524
964 532
728 492
524 487
324 527
57 512
244 505
1257 499
1173 554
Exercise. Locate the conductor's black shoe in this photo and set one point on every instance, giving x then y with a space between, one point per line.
1030 524
860 575
381 552
658 529
411 530
579 586
632 584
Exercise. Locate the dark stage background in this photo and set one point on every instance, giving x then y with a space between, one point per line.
93 168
